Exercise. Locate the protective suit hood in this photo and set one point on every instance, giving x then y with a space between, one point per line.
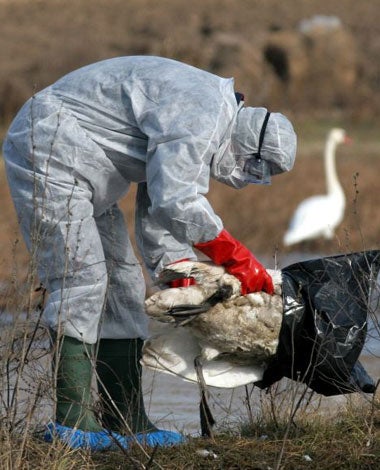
258 145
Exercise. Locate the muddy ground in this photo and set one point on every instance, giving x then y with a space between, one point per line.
324 78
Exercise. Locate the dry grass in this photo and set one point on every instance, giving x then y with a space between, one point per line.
285 427
349 441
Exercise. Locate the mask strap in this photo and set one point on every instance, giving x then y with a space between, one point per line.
262 133
239 97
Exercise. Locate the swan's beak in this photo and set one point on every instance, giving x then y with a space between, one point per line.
347 140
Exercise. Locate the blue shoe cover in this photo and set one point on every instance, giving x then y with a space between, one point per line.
104 440
160 438
79 439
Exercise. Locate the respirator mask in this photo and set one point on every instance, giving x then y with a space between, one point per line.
258 145
254 169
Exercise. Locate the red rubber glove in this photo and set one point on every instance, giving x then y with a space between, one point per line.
238 261
184 281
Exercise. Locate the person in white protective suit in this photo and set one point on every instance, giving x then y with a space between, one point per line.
71 154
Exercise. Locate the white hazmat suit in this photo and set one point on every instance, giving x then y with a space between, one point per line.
74 149
71 154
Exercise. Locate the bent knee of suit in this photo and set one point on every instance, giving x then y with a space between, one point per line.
77 309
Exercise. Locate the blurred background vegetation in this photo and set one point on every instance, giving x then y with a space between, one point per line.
314 58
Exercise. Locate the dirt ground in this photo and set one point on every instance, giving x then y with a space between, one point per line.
324 79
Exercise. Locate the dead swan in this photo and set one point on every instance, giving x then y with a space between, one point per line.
235 337
325 305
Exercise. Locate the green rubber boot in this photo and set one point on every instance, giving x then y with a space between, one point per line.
74 377
119 384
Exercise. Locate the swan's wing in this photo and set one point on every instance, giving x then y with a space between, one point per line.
312 218
174 352
308 210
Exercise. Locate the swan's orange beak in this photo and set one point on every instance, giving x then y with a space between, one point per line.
347 140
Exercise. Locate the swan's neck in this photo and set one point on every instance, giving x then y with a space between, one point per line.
332 182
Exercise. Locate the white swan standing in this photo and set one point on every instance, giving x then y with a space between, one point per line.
318 216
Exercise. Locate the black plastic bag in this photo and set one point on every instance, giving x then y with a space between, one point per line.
324 327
